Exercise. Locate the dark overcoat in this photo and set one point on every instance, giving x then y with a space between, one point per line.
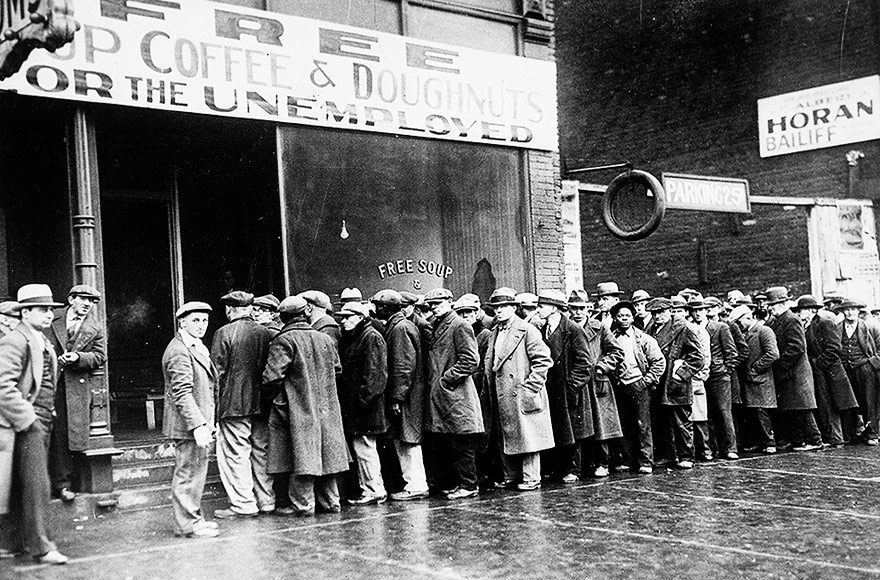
684 358
453 401
568 383
238 351
604 354
756 372
406 377
305 426
363 381
742 353
516 370
189 390
792 372
80 378
823 350
328 325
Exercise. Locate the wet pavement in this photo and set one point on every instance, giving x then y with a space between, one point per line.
795 515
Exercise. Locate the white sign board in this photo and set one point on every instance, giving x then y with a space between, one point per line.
219 59
703 193
826 116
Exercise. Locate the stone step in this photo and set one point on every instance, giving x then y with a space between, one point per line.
150 472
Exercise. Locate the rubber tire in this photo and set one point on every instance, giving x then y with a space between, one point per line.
646 229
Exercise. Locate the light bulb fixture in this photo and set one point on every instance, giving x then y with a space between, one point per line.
344 233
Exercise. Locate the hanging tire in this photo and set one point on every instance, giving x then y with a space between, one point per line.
620 184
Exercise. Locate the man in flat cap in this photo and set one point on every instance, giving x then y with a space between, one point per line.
265 312
454 414
317 307
362 396
77 335
189 417
405 394
306 434
861 359
28 377
239 352
9 317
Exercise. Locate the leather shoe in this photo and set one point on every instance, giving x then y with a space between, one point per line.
570 478
409 495
53 557
292 511
462 493
66 495
646 469
228 514
528 485
368 500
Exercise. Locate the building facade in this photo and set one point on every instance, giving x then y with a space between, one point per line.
177 150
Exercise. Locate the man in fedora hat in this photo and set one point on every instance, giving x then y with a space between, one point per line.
567 382
579 306
189 417
238 351
77 335
28 376
795 392
607 295
306 437
834 393
861 359
516 365
642 317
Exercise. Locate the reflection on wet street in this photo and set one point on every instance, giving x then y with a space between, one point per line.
807 515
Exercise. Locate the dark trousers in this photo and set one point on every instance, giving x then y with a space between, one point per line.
797 427
456 460
758 428
678 433
30 487
562 460
634 408
702 440
661 434
827 415
864 383
60 457
720 413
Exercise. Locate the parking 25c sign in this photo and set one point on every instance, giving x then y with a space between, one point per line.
219 59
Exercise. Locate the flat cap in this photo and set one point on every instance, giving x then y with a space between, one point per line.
409 297
351 294
292 305
688 292
316 298
697 304
191 307
657 304
438 295
738 312
237 298
502 296
466 302
553 298
9 308
387 296
354 308
678 301
269 302
85 290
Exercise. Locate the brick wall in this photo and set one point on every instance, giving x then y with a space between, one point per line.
672 86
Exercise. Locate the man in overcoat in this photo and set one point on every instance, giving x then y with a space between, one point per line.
454 414
318 306
77 335
571 413
795 393
834 393
671 403
756 379
861 359
28 376
189 418
362 397
306 437
516 365
238 351
265 312
405 393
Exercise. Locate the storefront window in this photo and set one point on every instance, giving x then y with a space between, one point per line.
418 213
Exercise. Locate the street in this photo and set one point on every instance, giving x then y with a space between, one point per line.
794 515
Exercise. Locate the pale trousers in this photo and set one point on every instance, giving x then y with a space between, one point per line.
412 466
234 464
527 464
263 489
188 483
303 490
368 466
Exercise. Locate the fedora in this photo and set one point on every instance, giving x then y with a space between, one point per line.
35 295
777 294
848 303
578 298
502 296
552 297
807 301
607 289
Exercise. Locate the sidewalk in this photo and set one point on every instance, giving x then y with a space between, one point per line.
795 515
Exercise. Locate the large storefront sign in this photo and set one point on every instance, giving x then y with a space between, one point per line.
204 57
826 116
704 193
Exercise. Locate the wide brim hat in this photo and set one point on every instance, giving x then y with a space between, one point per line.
579 297
190 307
678 301
527 299
85 290
620 306
776 294
35 295
848 303
607 289
713 302
640 296
503 296
553 298
351 294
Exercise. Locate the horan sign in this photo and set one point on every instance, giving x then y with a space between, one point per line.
826 116
706 193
